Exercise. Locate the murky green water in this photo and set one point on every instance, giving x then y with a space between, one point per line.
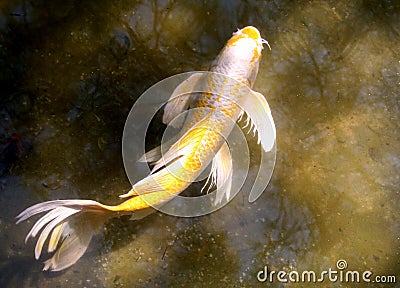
71 70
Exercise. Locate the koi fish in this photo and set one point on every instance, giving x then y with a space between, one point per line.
70 224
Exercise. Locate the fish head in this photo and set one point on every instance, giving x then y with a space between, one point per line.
241 55
248 38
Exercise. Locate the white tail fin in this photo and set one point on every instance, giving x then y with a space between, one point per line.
72 223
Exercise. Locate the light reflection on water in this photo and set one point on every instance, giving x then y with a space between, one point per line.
71 71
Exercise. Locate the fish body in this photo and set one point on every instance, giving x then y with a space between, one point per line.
73 222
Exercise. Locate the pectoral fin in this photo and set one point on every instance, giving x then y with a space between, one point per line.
180 100
257 109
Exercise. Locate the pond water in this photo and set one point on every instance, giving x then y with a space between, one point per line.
71 71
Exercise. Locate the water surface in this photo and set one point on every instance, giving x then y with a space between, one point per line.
71 70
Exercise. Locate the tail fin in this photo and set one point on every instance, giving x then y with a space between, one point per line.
72 224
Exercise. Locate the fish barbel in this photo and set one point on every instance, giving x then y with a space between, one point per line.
70 224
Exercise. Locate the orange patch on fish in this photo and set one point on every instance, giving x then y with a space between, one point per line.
256 55
234 40
251 32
